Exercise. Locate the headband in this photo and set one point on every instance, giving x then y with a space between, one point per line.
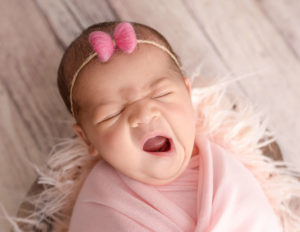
124 38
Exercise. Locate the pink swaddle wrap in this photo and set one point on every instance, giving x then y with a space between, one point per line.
215 193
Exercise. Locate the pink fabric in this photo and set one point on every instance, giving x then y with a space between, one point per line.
215 193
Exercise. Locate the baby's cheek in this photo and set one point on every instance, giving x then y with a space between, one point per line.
114 136
183 112
111 138
183 116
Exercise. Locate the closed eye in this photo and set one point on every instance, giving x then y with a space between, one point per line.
111 116
162 94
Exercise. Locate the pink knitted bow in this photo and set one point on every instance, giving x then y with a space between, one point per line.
124 38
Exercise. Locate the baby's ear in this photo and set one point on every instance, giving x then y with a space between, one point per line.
188 84
80 132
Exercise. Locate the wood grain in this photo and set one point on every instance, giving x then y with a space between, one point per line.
219 37
32 113
248 41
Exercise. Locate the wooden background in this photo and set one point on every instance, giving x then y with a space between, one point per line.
229 37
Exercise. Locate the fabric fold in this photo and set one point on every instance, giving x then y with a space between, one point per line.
215 193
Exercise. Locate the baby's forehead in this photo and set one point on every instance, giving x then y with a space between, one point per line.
145 63
114 87
138 71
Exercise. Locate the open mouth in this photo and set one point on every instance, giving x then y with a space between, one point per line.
157 144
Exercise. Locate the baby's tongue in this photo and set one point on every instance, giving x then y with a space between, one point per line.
154 144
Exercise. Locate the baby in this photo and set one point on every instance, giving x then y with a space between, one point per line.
132 104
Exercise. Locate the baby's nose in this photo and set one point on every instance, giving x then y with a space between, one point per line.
143 112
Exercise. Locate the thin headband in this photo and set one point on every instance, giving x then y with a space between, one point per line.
104 46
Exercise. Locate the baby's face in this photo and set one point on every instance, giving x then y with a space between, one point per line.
137 114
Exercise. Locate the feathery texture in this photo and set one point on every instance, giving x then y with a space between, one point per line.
125 37
102 45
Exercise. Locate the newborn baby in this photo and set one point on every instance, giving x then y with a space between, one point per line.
132 104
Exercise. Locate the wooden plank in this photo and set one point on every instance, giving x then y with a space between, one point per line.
60 20
32 112
285 16
247 41
285 19
90 11
67 18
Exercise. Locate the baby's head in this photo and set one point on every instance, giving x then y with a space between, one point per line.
132 109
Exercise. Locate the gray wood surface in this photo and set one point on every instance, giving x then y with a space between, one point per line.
232 37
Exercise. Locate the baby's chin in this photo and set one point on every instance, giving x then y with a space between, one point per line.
160 181
163 178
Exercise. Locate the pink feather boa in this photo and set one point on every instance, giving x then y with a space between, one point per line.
242 132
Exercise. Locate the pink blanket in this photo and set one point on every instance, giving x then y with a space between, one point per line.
215 193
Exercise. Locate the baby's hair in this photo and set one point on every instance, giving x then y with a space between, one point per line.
78 51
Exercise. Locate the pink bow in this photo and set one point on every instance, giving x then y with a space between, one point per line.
124 38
